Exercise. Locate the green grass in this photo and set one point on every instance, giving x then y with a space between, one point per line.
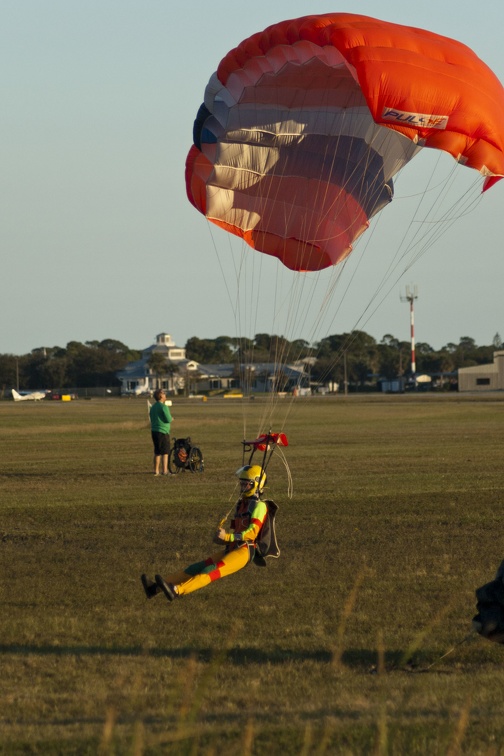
394 522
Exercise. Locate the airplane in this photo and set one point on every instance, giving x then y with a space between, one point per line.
33 396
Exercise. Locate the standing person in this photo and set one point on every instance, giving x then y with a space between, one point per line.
160 419
240 545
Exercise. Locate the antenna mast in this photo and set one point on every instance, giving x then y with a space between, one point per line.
411 295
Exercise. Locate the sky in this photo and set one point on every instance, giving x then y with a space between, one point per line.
98 239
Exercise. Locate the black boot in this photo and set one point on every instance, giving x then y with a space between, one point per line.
167 588
149 587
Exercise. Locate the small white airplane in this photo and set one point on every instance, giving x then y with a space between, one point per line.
33 396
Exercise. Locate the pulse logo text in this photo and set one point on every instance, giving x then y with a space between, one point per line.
418 120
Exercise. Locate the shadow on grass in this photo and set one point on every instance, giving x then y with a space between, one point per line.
353 658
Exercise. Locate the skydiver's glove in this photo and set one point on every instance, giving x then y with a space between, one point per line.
220 537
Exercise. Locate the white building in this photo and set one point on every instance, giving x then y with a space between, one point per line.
176 374
139 377
483 377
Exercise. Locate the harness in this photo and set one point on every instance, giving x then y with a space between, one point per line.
266 544
241 519
240 522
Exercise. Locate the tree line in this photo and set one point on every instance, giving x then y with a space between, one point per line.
355 357
94 363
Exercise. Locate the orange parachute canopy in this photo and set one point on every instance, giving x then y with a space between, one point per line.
304 125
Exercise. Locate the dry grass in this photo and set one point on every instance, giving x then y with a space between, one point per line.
395 521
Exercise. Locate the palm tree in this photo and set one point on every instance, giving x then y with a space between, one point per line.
171 369
157 366
192 378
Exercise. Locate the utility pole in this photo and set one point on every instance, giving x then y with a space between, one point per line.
411 295
345 380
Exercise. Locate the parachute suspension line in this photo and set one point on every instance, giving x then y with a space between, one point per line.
335 278
431 233
300 305
264 409
237 263
216 251
273 394
265 412
297 305
403 248
250 298
290 481
432 230
267 407
247 282
249 291
279 345
367 242
396 171
242 306
338 270
300 314
300 298
469 637
314 318
443 188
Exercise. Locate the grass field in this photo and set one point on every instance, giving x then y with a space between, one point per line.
395 520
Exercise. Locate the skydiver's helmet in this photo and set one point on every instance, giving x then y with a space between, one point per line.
252 480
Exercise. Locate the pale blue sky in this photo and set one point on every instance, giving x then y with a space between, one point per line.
98 239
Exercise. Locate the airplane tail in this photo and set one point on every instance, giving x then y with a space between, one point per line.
17 397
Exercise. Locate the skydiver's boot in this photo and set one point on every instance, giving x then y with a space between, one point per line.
149 587
167 588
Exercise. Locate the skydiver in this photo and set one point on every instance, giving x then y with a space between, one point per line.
241 545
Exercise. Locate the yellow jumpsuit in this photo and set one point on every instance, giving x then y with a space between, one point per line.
246 524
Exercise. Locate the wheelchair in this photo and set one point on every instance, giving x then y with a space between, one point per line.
185 456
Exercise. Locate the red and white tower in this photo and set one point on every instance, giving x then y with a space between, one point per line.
411 295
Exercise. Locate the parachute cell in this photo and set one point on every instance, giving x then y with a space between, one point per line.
304 125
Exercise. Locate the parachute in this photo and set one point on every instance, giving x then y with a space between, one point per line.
304 126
